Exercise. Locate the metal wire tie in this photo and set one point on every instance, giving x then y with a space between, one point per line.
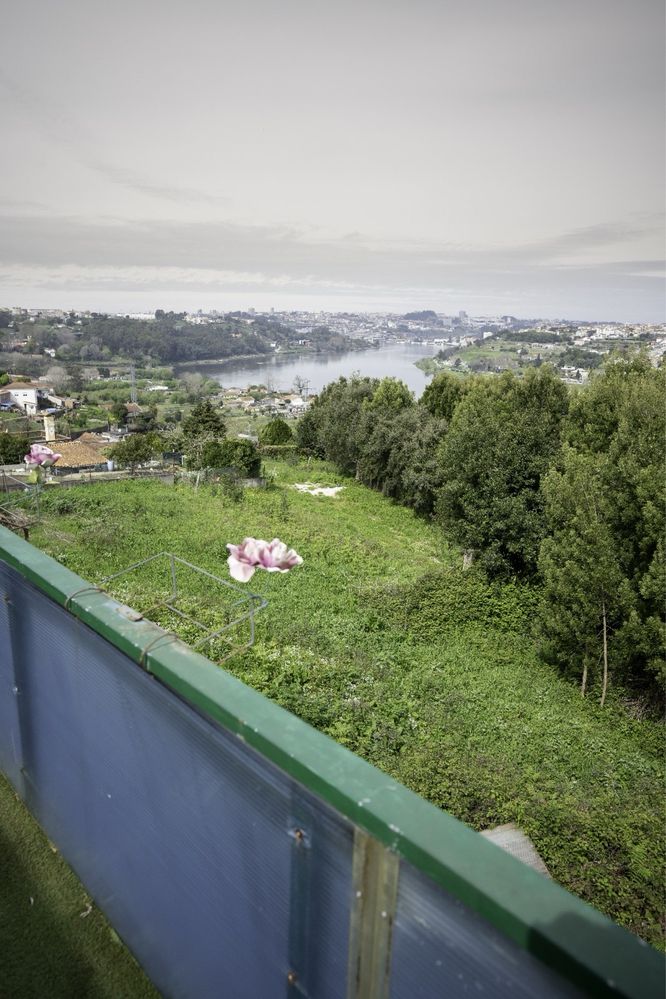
166 635
76 593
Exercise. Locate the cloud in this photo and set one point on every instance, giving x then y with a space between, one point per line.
602 236
223 246
166 257
81 145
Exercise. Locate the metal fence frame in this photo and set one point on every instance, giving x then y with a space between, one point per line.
391 823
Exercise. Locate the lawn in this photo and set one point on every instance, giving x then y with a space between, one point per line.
380 640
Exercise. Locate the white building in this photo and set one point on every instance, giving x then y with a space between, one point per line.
26 395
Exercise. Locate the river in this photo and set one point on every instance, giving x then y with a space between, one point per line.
396 360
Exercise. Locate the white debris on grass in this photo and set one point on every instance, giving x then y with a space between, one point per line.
313 490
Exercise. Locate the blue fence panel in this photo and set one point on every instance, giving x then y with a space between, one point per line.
193 845
442 948
224 873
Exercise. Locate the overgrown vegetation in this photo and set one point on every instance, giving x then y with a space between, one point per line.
535 483
431 673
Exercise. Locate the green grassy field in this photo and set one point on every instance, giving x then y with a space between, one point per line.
500 353
381 641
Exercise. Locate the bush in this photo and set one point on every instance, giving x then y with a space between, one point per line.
455 598
277 432
12 449
282 452
243 455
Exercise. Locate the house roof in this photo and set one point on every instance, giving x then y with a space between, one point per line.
13 386
93 440
76 454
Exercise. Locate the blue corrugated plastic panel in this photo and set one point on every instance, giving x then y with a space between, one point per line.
10 738
183 834
442 948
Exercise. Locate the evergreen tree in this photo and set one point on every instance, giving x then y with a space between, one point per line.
502 438
587 597
616 430
276 432
203 418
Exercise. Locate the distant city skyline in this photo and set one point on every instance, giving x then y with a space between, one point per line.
496 156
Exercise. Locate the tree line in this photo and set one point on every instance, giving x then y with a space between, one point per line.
169 338
561 489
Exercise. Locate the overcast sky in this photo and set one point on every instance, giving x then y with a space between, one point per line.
498 156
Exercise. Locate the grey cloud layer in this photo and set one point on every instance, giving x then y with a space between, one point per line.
203 255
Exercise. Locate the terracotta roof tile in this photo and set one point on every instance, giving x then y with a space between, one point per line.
77 455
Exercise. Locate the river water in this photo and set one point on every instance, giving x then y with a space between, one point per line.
396 360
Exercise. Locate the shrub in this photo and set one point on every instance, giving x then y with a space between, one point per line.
277 431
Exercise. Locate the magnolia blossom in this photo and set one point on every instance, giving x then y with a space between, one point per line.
42 455
273 556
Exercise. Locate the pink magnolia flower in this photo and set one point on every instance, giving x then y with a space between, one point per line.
40 454
273 556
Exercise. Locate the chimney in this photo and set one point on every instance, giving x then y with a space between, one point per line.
49 429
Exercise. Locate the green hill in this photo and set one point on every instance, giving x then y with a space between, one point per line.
380 640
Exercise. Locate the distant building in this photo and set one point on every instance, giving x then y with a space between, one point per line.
28 396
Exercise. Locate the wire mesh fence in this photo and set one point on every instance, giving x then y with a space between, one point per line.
211 614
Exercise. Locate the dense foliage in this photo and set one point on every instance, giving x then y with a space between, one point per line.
136 449
276 432
502 438
170 338
382 641
203 418
231 452
602 562
12 448
533 482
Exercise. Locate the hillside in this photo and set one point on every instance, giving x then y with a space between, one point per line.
382 642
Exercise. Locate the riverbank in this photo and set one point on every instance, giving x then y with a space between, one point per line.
272 355
318 369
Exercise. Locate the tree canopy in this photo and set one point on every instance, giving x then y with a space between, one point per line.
203 418
502 438
277 431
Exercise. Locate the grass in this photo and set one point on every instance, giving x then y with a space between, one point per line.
500 353
382 641
53 942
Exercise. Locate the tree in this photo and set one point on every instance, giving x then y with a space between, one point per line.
330 428
57 376
242 455
444 392
12 448
586 595
502 438
136 449
613 542
390 395
194 384
119 413
76 383
277 432
203 419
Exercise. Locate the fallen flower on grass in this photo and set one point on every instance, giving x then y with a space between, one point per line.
253 553
41 455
